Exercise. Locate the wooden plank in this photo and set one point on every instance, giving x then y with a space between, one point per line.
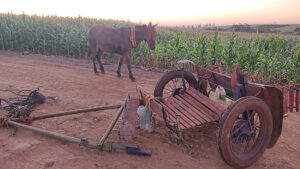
205 100
184 113
200 113
189 111
183 120
112 124
183 124
193 111
291 98
156 107
200 107
128 123
182 116
297 100
173 120
71 112
199 117
171 115
210 103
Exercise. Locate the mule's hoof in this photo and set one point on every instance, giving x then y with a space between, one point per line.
132 79
96 73
119 75
102 72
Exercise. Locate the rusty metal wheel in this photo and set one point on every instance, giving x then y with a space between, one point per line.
171 83
244 131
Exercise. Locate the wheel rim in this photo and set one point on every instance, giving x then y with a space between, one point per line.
173 87
247 134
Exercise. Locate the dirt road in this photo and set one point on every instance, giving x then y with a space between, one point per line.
75 85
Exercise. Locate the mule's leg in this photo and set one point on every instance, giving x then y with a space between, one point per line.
129 67
95 68
98 56
119 66
93 55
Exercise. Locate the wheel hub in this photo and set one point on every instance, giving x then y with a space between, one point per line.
243 131
176 91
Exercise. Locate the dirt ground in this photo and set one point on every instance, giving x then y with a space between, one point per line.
74 84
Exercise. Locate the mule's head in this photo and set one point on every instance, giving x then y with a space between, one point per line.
151 35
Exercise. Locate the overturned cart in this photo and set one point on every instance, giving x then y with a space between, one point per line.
251 123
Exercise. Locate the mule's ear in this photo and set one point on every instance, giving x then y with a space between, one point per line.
150 24
154 25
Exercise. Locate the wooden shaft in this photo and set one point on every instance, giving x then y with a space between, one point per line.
291 98
53 134
112 124
297 100
113 147
76 111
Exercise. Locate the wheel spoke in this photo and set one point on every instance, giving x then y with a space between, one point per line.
250 115
168 89
236 130
176 80
169 86
246 147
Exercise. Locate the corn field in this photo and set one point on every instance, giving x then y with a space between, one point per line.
274 59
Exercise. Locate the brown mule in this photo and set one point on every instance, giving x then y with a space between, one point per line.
121 40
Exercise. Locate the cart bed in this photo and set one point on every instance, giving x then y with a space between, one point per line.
193 108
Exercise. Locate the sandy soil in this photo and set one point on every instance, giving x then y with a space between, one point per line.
75 85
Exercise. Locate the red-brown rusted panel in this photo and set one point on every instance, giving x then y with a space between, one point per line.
285 92
291 98
255 90
297 100
274 98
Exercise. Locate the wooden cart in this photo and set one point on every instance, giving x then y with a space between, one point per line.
249 125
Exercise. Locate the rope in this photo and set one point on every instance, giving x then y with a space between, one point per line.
20 107
151 58
148 100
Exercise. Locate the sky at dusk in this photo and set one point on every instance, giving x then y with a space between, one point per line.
166 12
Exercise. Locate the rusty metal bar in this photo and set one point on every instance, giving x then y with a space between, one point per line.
76 111
112 124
